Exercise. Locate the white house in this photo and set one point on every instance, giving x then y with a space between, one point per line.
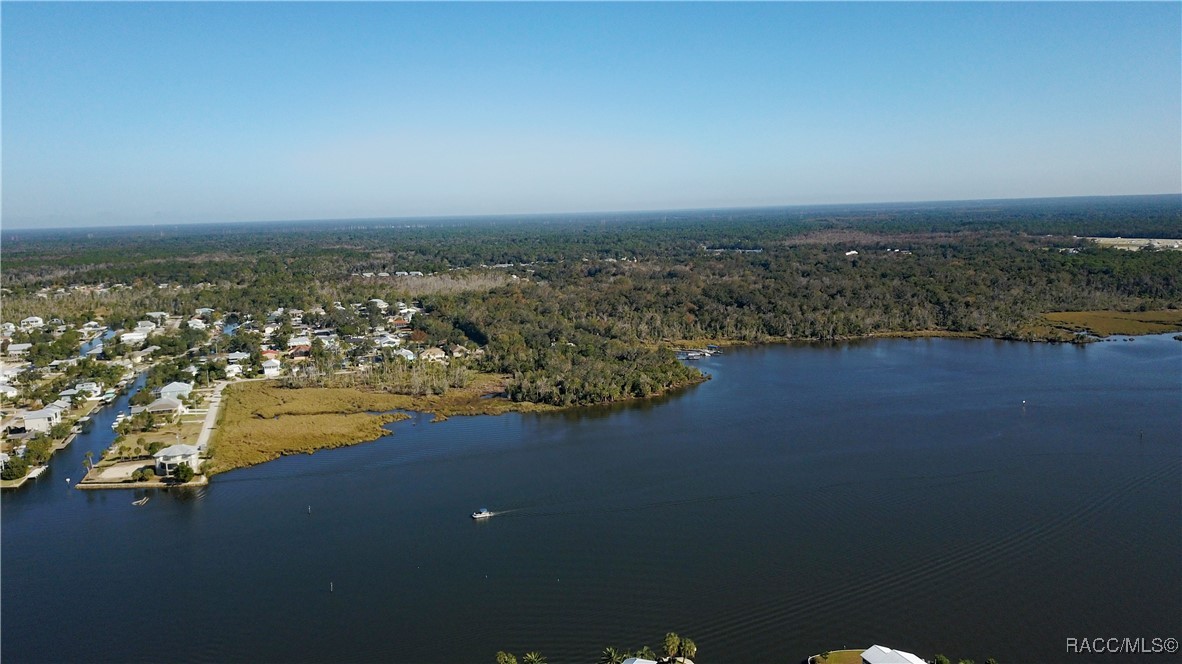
176 390
4 459
93 389
298 341
407 354
381 304
145 326
271 368
32 323
17 350
42 420
238 356
172 456
203 311
884 655
433 355
196 324
7 391
133 338
233 371
160 316
7 329
387 341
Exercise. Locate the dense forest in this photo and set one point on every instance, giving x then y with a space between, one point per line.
583 308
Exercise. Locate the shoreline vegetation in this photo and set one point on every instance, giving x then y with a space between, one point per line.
264 420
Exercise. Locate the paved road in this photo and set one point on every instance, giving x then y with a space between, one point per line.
211 416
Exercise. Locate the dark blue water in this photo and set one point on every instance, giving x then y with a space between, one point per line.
805 499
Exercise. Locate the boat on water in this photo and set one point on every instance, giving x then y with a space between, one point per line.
141 502
482 513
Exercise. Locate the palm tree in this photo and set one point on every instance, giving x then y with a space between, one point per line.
672 644
533 657
611 656
646 652
689 649
89 461
506 658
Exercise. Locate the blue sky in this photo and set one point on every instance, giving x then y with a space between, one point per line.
177 113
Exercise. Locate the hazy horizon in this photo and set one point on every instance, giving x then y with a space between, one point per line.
183 113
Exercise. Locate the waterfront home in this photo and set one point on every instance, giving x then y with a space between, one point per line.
167 406
884 655
237 357
271 368
134 339
17 350
233 370
176 390
433 355
91 388
4 459
42 420
172 456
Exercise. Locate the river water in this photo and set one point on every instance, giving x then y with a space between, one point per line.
973 498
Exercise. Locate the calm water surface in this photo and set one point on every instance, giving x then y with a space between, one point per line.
805 499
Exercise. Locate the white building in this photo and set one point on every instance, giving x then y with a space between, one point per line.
42 420
32 323
159 316
176 390
233 371
7 391
17 350
134 339
407 354
271 368
433 355
196 324
240 356
145 326
884 655
172 456
7 329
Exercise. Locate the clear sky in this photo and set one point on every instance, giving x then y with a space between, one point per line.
167 113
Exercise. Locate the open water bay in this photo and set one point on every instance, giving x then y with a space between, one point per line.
806 498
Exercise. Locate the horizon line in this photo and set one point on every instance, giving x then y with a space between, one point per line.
535 215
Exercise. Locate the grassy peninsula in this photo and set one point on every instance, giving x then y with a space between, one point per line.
263 421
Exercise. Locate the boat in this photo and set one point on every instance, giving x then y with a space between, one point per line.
482 513
141 502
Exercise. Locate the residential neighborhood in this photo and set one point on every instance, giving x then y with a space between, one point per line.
53 374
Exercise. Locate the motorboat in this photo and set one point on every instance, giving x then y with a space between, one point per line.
482 513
